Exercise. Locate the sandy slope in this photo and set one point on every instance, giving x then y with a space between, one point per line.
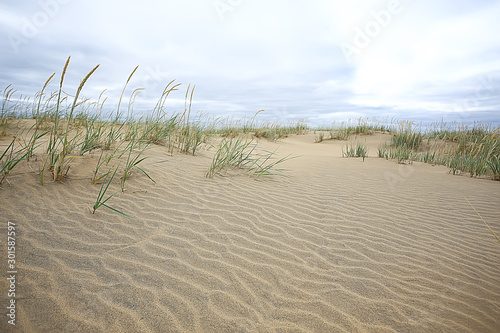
337 246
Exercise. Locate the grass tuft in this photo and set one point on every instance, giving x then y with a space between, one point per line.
102 198
240 153
355 151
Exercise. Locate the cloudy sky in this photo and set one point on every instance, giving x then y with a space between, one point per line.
323 60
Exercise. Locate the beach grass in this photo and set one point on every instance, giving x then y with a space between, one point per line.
132 162
74 127
66 127
103 198
357 150
344 130
463 149
10 158
241 153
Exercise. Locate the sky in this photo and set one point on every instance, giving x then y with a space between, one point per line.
320 60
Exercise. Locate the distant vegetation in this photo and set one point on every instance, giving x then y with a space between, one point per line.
462 148
66 127
348 128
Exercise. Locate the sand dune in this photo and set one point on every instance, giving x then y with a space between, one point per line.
339 245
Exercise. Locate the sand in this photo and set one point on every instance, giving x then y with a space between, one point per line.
339 245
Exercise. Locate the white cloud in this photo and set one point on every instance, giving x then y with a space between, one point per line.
282 56
412 57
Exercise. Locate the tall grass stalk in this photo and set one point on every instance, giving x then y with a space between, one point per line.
38 118
123 92
59 158
8 92
7 95
70 117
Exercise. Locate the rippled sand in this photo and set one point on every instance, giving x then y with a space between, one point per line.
336 246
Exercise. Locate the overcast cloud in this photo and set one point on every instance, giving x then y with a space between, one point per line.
321 60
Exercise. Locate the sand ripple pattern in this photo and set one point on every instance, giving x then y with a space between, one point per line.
333 249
